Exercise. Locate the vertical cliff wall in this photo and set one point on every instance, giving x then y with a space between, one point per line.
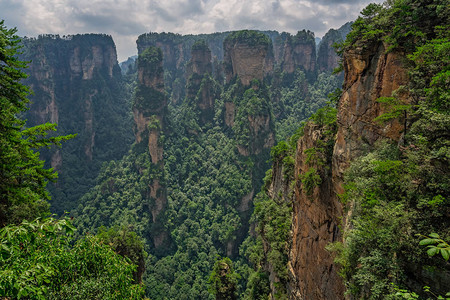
201 89
247 62
77 84
370 73
176 51
299 51
322 155
316 218
247 56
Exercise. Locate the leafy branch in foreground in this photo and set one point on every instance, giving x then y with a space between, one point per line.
435 245
38 260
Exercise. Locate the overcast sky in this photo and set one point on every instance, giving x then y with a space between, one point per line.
125 20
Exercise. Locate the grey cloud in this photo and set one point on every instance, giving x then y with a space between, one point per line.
333 2
126 19
110 23
13 14
276 5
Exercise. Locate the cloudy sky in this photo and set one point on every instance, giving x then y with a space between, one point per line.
125 20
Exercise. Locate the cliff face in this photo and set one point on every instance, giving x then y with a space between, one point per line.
315 222
201 88
327 59
300 52
246 59
369 74
176 51
72 79
317 212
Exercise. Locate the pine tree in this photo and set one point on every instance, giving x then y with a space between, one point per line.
23 178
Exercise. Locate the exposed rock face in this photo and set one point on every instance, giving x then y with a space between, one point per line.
369 74
246 56
300 51
100 57
230 112
251 120
201 88
200 62
73 78
262 136
176 51
316 217
150 102
317 214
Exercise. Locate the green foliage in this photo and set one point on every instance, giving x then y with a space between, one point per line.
23 178
402 24
385 195
325 116
396 109
39 261
78 104
200 45
273 219
258 286
126 243
151 59
436 245
310 179
148 98
397 191
223 280
255 105
298 101
249 37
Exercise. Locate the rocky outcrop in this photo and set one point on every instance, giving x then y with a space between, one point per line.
76 82
246 55
327 58
176 51
369 74
300 52
315 223
201 88
149 107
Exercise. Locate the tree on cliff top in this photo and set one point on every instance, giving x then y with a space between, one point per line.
23 178
250 37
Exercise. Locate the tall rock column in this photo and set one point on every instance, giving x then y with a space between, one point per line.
201 88
248 58
246 55
300 52
149 111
